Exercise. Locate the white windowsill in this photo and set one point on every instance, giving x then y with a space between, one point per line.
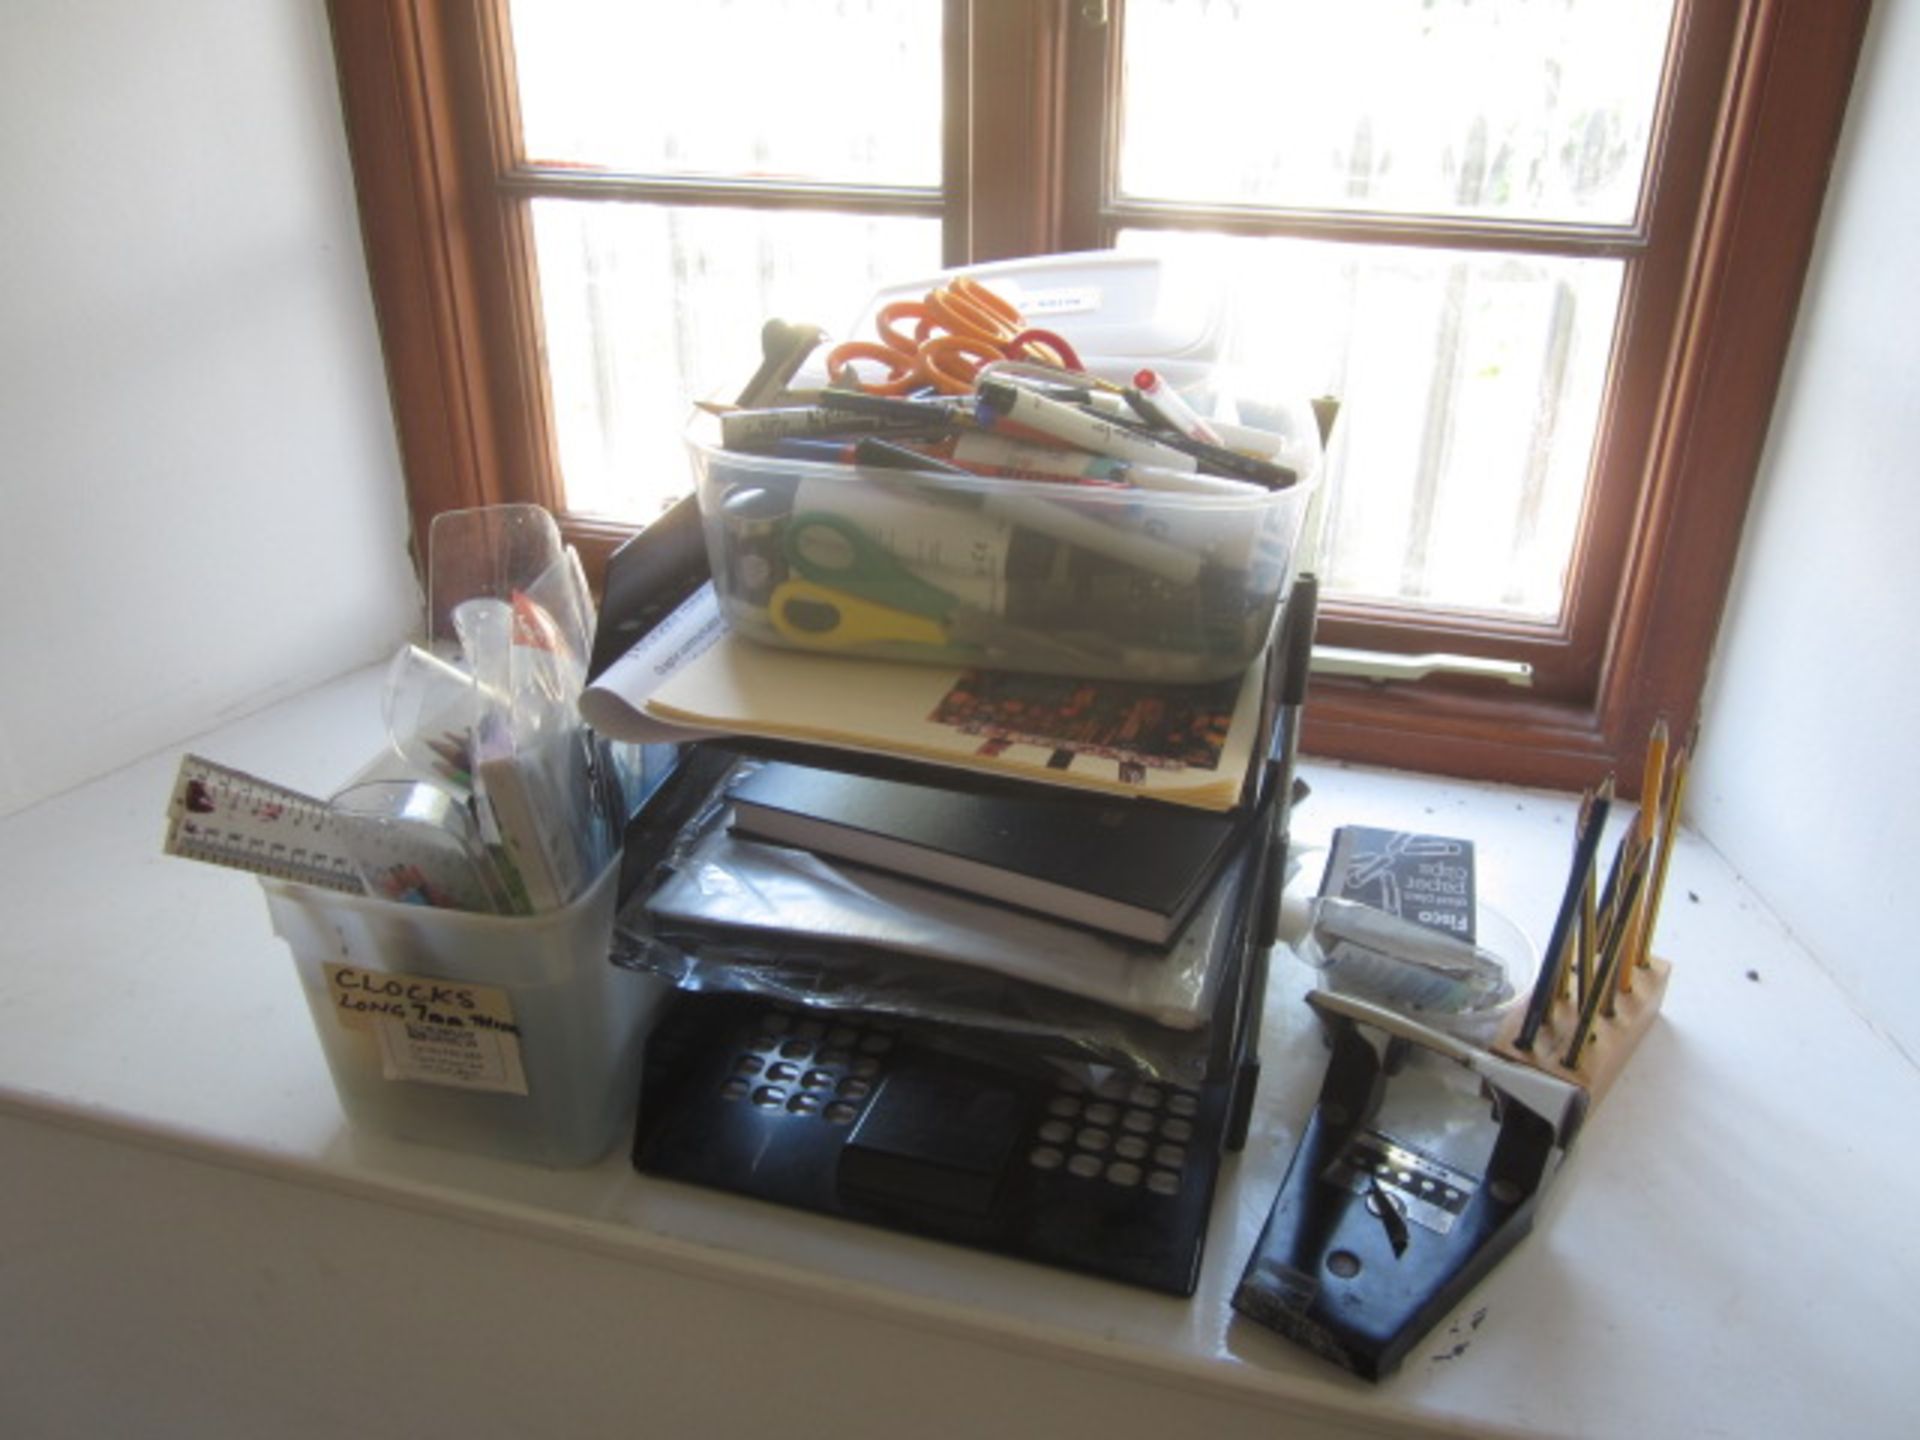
1728 1250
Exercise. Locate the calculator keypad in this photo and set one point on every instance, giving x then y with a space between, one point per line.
1124 1133
1129 1134
802 1066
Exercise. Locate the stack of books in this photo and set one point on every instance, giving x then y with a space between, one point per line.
1077 834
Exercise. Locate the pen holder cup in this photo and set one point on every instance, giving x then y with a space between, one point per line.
1106 581
509 1035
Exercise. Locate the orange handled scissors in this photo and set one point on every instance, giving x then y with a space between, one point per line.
957 329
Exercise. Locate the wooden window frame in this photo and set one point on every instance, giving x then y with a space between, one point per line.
448 265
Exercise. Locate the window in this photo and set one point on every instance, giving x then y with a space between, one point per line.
713 198
1571 299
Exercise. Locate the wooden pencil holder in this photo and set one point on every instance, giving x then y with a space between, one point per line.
1610 1043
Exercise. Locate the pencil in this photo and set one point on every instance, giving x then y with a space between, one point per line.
1669 828
1628 920
1646 828
1589 1012
1653 781
1589 939
1623 852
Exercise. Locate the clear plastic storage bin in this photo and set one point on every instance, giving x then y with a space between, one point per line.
1018 574
514 1036
1150 572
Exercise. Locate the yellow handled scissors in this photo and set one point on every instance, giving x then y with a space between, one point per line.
833 551
848 592
817 617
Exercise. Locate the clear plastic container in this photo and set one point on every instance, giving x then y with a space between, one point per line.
1170 576
1371 977
1126 583
512 1036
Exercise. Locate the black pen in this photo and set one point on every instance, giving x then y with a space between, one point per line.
884 455
1216 458
1548 980
755 429
951 413
1144 407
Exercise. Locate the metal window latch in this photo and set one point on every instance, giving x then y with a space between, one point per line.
1380 666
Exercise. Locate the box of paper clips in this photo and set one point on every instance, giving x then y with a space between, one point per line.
959 483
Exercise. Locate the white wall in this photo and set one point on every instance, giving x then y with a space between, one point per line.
202 506
1809 776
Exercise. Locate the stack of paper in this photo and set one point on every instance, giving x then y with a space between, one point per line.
1186 744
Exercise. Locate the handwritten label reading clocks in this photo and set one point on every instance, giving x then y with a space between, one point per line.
432 1031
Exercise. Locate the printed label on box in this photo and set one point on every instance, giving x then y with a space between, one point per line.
1059 300
436 1032
1427 879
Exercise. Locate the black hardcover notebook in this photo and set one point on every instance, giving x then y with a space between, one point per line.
1129 867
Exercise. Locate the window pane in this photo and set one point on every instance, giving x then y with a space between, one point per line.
793 89
1517 109
1470 385
647 308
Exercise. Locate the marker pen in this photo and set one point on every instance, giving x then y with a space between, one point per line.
1022 459
822 452
999 455
1057 521
1227 536
754 429
1008 409
1218 459
1171 409
1116 542
933 411
877 454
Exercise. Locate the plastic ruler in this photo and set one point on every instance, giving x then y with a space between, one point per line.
230 818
